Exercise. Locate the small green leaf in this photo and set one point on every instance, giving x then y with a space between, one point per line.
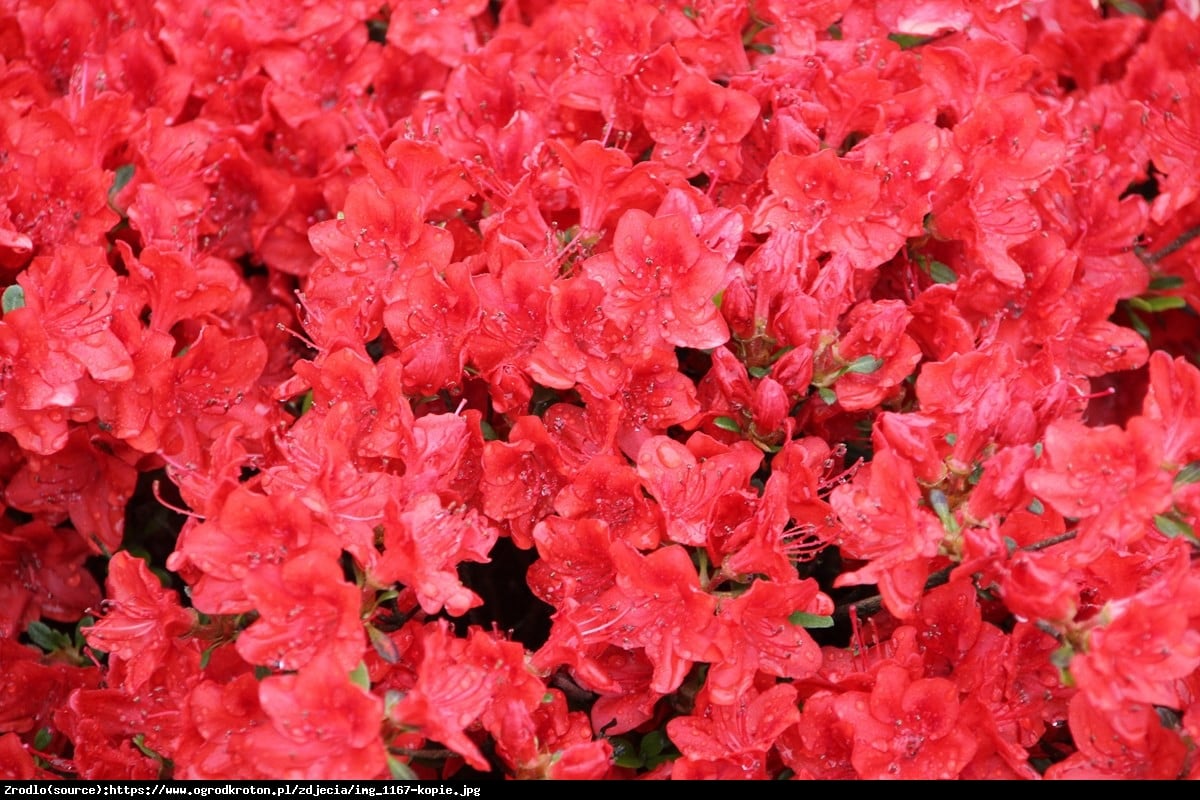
806 620
834 32
863 365
1189 474
548 697
761 47
653 743
1152 304
399 770
719 298
261 672
1035 506
941 273
941 507
827 394
624 754
951 438
1172 526
976 474
1038 447
42 739
46 637
1062 656
206 656
1162 283
758 372
383 645
390 698
690 12
907 41
360 677
1138 324
727 424
13 298
489 433
1127 7
121 178
1010 545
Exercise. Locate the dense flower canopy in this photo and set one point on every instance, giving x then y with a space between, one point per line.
600 389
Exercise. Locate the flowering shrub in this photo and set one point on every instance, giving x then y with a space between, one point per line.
600 389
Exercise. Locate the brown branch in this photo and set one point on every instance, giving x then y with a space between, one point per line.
871 605
1183 240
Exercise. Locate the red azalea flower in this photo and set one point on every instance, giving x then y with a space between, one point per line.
886 524
765 640
659 282
688 481
45 576
907 729
748 727
141 619
319 725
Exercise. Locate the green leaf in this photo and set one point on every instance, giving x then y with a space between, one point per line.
951 438
827 394
360 677
399 770
624 754
121 178
1061 659
1161 283
653 743
863 365
941 273
727 424
1062 656
834 32
1139 325
1035 506
690 12
1127 7
383 645
206 656
941 507
719 298
1189 474
806 620
976 474
13 298
1152 304
908 41
46 637
1172 526
758 372
761 47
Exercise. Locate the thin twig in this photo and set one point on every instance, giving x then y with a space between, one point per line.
1150 259
870 605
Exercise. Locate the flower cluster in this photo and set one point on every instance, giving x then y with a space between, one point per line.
600 389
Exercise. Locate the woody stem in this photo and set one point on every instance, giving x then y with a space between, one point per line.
872 604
